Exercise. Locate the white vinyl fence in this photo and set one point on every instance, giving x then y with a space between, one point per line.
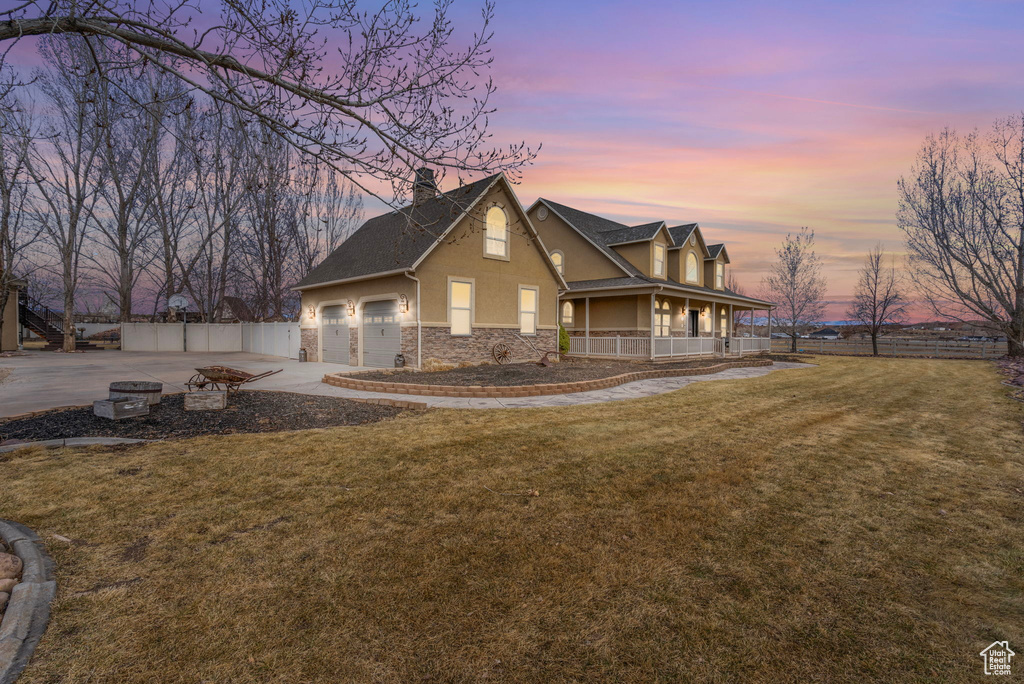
272 339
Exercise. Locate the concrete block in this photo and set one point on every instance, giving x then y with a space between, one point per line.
206 401
116 409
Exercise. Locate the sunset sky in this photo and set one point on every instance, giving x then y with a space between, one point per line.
751 118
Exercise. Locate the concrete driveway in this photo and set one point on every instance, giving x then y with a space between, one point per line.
45 380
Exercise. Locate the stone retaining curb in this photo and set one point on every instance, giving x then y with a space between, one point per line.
352 381
28 610
72 442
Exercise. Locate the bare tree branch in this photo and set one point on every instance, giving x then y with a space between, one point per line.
962 214
369 94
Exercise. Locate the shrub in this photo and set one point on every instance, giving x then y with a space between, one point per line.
563 339
436 366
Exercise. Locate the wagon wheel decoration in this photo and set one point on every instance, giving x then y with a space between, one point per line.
502 353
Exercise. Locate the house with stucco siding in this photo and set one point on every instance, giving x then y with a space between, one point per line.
447 277
652 290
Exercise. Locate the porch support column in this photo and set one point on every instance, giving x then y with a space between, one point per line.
769 328
652 326
686 318
732 333
586 324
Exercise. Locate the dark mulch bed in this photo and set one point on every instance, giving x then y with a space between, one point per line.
247 411
529 373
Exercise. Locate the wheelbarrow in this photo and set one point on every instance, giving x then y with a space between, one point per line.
224 378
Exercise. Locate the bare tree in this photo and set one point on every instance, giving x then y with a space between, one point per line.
130 107
795 284
173 189
878 299
331 210
962 213
218 154
733 283
65 166
17 235
272 211
396 98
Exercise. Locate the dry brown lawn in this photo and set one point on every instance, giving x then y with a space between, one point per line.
857 521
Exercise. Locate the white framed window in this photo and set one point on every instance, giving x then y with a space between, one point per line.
662 318
567 313
720 276
558 259
460 307
496 233
528 297
659 259
692 268
725 323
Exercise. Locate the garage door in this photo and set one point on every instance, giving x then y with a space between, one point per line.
335 322
382 334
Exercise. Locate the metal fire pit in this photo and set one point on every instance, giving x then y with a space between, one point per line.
137 389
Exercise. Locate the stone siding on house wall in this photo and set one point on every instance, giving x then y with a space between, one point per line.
438 343
409 344
309 339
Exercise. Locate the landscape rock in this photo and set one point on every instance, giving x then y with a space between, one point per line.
10 566
3 600
7 584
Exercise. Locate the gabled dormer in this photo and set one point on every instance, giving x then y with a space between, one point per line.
645 247
714 267
688 254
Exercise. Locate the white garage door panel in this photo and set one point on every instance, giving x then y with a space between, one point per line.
336 338
382 334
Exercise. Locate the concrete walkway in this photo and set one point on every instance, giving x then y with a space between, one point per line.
632 390
45 380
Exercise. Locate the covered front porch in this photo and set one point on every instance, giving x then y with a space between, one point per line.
662 323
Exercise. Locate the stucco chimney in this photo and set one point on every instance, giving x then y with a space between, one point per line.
424 188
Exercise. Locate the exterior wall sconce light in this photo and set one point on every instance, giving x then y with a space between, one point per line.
312 311
403 304
351 308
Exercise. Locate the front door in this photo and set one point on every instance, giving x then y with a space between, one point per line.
382 334
694 323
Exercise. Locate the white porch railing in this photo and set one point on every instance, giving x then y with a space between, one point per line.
749 345
683 346
611 346
664 347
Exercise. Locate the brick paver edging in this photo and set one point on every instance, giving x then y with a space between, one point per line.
352 381
28 610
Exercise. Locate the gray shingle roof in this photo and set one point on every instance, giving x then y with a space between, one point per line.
619 236
396 240
594 228
680 234
715 250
